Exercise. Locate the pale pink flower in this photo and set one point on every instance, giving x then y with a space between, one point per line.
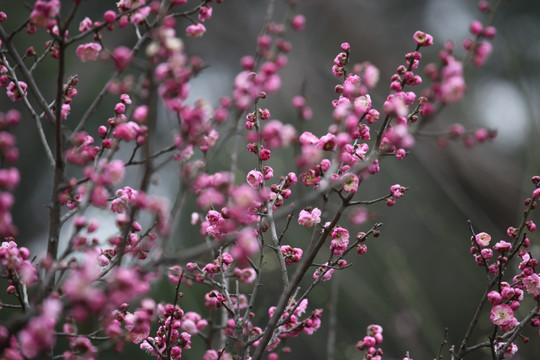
13 91
85 25
350 182
307 138
532 284
129 4
502 246
255 179
511 351
195 30
359 216
340 240
112 172
502 315
39 334
309 218
452 89
327 142
245 246
483 239
326 275
122 57
127 131
423 39
247 275
88 51
44 13
298 22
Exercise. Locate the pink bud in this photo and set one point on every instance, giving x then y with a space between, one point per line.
490 32
476 27
298 22
109 16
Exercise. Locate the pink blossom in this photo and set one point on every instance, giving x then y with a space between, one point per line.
82 349
324 271
502 246
140 15
502 315
129 4
327 142
111 172
482 239
255 179
532 284
511 351
481 53
195 30
109 16
9 178
275 134
452 86
423 39
247 275
85 25
494 297
127 131
89 51
308 217
122 58
358 216
214 299
340 240
350 182
193 323
245 246
205 13
291 255
298 22
397 191
39 334
476 27
13 91
265 154
99 196
44 13
140 114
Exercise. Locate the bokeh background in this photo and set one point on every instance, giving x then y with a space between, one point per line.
417 278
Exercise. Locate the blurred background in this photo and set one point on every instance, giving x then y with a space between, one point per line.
417 278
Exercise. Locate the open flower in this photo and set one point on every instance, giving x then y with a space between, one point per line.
89 51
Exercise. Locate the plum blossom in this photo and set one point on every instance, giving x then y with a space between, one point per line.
532 284
482 239
350 182
44 13
423 39
324 272
291 255
255 179
511 351
39 334
309 217
502 315
340 240
13 91
196 30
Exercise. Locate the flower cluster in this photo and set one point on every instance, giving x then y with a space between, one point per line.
111 236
